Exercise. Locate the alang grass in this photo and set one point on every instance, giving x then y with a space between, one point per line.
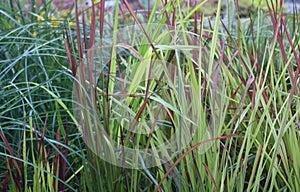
249 149
246 79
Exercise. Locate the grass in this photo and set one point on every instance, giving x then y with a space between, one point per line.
170 100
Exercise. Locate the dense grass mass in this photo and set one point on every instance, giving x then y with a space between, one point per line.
183 96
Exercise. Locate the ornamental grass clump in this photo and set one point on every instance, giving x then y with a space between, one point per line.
164 99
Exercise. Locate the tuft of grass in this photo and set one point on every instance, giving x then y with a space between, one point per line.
91 101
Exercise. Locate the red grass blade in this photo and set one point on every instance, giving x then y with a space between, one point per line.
192 149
